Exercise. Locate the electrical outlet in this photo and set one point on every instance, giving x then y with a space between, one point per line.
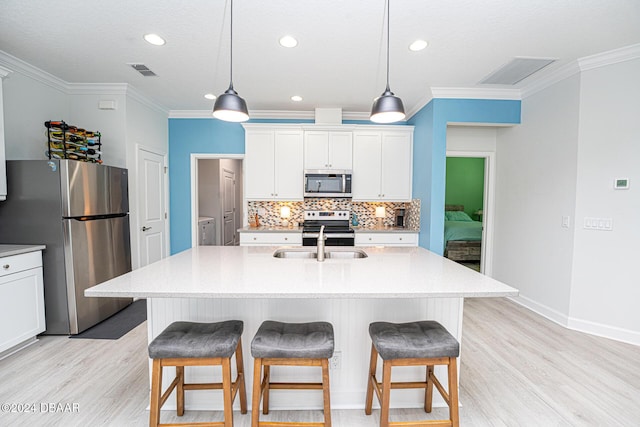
335 361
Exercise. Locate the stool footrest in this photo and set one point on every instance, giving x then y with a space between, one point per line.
296 386
211 424
288 424
430 423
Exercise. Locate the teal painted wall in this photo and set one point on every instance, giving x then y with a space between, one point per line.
465 183
429 154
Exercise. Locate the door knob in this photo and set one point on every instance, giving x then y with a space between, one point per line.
146 228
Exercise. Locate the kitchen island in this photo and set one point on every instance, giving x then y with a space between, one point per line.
401 284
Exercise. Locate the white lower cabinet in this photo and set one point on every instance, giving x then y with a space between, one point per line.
386 239
271 239
21 299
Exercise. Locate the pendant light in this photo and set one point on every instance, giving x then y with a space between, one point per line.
229 106
387 108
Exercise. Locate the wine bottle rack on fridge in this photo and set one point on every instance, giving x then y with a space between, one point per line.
66 141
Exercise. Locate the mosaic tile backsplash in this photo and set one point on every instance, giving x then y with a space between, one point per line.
269 211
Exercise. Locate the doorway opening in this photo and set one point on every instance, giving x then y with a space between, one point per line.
216 198
469 209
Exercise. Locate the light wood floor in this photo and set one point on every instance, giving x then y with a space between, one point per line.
518 369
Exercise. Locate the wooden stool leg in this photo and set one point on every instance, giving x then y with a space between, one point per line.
370 380
386 393
428 393
265 393
326 389
257 391
242 388
156 392
453 392
180 391
226 392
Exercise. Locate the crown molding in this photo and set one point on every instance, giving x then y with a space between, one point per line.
4 72
465 93
550 79
136 95
266 114
97 88
603 59
18 65
476 93
611 57
419 105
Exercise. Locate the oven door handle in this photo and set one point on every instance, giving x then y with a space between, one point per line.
329 235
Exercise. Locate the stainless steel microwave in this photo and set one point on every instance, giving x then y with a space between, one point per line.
327 183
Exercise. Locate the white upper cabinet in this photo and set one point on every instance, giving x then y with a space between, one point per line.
328 150
381 158
382 165
273 164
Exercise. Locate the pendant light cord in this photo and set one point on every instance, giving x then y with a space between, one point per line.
388 44
231 55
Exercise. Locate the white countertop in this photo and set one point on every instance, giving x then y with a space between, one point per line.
270 229
252 272
357 229
9 250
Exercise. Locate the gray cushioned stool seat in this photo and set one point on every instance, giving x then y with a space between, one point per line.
424 339
312 340
197 340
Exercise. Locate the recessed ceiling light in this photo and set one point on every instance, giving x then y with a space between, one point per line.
418 45
154 39
296 98
210 96
288 41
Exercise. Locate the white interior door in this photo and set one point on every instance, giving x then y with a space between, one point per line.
228 208
151 207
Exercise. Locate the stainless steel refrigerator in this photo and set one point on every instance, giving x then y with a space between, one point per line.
80 211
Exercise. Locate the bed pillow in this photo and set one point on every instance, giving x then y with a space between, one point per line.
457 216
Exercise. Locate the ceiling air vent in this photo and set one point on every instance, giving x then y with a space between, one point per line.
143 69
516 70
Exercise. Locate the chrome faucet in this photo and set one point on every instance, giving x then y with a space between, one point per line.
321 239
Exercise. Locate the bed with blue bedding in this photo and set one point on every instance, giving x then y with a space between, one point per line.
462 235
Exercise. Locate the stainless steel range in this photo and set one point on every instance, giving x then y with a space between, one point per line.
336 228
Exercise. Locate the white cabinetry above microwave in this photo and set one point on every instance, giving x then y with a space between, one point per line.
382 165
328 150
276 155
273 164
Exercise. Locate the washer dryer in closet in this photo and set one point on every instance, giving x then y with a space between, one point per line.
206 231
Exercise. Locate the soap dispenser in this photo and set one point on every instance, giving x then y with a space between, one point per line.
354 219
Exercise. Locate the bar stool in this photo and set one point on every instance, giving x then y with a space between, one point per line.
198 344
290 344
425 343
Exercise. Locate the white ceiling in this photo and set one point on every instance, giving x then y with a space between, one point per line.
340 58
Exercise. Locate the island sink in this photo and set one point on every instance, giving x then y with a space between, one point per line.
312 254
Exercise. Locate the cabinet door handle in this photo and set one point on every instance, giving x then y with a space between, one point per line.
286 238
6 266
146 228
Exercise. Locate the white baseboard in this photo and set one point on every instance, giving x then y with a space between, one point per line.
544 311
580 325
612 332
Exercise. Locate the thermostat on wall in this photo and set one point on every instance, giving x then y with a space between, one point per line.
621 183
